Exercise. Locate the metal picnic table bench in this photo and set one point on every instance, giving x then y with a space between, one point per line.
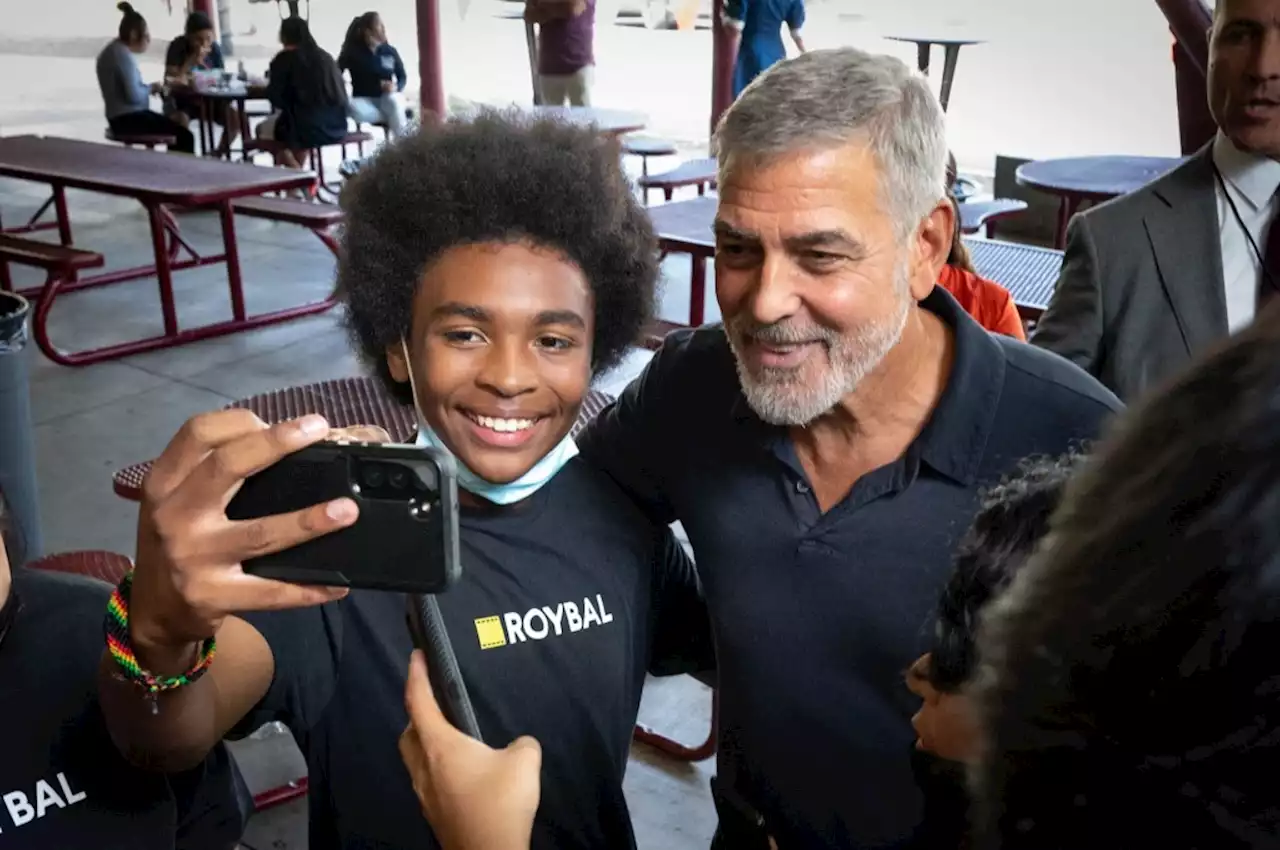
157 181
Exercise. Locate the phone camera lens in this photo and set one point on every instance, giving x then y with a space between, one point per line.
373 476
398 478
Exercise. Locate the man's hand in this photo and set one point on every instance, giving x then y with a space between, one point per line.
188 576
388 86
474 797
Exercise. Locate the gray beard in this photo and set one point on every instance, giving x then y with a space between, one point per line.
783 397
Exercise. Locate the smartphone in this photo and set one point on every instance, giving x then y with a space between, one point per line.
406 538
430 635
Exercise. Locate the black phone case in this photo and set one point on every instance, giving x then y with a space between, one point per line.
408 543
430 635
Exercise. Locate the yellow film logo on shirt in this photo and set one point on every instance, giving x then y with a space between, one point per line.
541 623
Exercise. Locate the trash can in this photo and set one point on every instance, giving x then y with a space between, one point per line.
17 439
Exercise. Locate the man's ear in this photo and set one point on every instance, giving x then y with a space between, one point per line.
933 246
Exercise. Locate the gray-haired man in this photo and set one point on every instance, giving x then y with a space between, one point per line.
825 447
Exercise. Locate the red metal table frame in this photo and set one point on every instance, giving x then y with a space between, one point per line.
1075 180
685 227
155 180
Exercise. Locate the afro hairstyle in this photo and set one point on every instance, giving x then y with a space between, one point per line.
495 177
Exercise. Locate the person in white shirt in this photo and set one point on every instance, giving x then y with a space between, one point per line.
1152 278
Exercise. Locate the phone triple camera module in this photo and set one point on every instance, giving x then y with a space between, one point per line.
388 480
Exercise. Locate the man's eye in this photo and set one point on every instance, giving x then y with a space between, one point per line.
463 337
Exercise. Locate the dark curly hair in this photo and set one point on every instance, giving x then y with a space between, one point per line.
1012 520
496 177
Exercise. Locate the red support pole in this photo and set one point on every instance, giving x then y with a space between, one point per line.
429 67
1190 21
206 6
724 53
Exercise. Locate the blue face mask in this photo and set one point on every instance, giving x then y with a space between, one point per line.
500 494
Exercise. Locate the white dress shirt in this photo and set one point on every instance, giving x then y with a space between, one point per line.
1252 182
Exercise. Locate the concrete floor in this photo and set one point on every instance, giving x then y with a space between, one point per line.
92 421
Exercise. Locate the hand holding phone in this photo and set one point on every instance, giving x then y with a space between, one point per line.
406 538
188 576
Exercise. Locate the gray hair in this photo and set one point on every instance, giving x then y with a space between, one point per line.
831 98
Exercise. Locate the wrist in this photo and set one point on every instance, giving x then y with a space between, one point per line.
163 657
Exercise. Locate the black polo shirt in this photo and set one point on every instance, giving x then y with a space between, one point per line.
565 601
816 616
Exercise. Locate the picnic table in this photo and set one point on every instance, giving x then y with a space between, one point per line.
1090 178
924 47
1028 272
157 181
209 99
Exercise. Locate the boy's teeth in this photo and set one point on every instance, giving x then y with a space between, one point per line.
504 424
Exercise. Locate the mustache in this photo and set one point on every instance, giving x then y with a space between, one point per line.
780 333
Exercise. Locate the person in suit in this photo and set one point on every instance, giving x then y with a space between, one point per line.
1152 278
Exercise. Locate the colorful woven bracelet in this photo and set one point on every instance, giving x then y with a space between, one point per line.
121 647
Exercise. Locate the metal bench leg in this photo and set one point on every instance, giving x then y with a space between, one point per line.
675 749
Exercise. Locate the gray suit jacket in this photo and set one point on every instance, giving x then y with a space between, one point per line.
1141 291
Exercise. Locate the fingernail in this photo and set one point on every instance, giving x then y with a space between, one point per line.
312 425
341 510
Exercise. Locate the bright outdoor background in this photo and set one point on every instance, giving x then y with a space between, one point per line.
1054 78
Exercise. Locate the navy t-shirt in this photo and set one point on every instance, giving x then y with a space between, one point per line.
369 68
565 601
63 784
817 615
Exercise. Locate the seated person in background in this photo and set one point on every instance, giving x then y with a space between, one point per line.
308 95
124 94
64 784
197 50
1155 277
1129 691
481 797
495 265
989 303
377 75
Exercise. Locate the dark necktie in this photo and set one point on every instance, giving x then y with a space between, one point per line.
1269 286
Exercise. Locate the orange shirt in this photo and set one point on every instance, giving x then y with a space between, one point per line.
988 302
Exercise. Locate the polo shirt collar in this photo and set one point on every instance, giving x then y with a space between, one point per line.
954 439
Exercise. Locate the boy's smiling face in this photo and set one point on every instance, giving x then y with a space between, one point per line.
946 724
501 347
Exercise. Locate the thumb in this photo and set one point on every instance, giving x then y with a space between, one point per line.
526 750
420 701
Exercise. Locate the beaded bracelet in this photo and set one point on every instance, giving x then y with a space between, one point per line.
120 646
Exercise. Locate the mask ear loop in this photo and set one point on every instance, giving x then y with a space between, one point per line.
413 387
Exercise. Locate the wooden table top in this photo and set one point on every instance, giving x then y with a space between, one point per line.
149 175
